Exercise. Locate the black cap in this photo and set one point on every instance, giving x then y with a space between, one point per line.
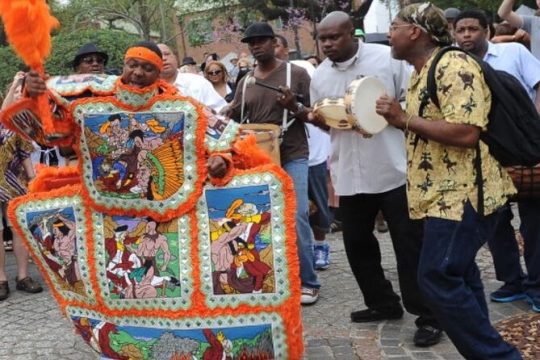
88 49
451 13
188 60
259 29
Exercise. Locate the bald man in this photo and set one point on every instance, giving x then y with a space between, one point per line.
369 175
192 85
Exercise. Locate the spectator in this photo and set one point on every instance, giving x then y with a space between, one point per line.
504 32
314 60
233 68
450 14
471 28
216 73
531 24
189 84
442 146
16 170
189 66
89 60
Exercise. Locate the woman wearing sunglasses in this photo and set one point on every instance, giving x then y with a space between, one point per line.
216 73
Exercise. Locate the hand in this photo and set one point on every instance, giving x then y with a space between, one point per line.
391 110
34 84
18 78
217 166
287 99
317 120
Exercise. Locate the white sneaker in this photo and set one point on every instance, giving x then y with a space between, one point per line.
309 296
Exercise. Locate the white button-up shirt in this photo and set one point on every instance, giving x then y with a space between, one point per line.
200 89
361 165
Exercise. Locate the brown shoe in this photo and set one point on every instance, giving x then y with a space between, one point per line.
4 290
28 285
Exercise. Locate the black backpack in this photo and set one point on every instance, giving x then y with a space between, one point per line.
513 131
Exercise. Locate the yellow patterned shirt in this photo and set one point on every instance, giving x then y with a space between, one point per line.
441 178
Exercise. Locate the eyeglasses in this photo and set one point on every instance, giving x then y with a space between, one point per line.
393 28
216 72
93 59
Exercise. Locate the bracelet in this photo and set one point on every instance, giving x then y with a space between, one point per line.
407 122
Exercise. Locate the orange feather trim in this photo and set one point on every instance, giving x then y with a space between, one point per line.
247 154
52 177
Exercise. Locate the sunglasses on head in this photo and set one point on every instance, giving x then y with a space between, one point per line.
215 72
93 59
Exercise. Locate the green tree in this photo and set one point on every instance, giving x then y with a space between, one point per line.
65 46
142 16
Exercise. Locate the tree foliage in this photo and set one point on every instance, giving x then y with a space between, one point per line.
65 46
144 16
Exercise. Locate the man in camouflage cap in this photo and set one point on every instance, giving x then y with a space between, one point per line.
442 146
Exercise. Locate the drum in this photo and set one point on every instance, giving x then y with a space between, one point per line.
526 180
360 101
267 136
332 110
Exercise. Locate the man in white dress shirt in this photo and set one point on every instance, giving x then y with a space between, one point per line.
192 85
369 175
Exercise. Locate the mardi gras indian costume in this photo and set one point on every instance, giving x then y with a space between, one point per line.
148 255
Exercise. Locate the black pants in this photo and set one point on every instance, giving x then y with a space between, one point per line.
364 255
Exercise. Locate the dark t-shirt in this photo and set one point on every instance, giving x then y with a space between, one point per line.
262 107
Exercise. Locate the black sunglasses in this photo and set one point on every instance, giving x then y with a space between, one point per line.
93 59
216 72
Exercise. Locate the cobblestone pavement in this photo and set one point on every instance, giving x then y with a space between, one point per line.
31 326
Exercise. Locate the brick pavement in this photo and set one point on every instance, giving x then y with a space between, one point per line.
31 326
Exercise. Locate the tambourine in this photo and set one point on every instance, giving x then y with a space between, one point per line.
360 100
332 110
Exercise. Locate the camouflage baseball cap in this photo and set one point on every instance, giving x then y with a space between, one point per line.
429 18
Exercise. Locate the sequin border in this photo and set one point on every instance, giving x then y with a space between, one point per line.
184 259
74 202
280 267
190 158
190 323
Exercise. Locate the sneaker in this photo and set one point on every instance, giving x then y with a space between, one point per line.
309 296
336 226
381 226
507 293
28 285
427 336
369 315
535 306
4 290
322 256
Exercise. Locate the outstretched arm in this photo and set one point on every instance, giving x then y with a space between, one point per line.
505 12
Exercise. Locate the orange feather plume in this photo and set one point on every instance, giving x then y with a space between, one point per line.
28 25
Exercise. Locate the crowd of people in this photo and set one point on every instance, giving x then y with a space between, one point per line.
418 173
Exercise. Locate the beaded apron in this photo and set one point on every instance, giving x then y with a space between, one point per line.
148 258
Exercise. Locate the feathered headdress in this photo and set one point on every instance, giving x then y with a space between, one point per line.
28 25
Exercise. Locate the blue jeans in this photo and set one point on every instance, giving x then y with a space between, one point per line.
298 171
505 251
318 193
450 280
